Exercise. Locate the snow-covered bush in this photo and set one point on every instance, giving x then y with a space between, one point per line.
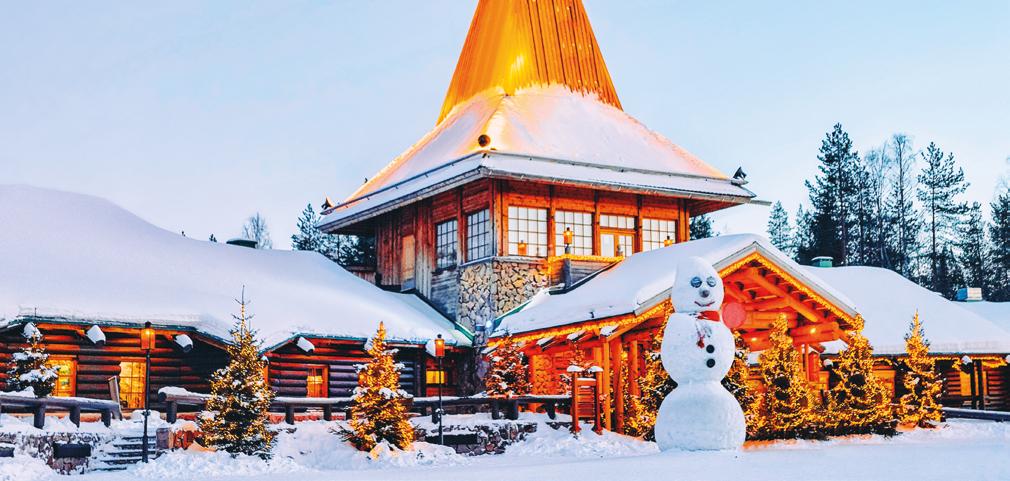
29 367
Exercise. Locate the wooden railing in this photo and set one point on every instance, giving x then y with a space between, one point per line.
74 405
998 416
174 397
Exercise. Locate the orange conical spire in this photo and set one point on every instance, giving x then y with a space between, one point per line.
520 43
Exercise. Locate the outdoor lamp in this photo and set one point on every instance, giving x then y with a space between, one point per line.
439 354
667 242
439 346
522 247
569 235
146 344
147 337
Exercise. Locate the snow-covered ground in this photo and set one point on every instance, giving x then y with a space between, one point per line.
959 450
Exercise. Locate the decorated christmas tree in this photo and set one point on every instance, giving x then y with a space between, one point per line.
788 409
237 411
508 374
859 402
736 379
379 413
921 403
29 367
653 385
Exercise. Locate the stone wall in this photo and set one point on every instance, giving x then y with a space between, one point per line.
492 287
40 445
477 439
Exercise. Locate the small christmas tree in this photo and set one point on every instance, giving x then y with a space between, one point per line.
29 368
736 379
378 413
788 408
508 374
579 361
921 404
859 403
237 415
654 385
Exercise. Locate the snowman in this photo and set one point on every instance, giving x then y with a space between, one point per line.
697 353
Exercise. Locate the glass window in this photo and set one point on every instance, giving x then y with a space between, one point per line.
478 235
66 380
316 382
131 384
617 235
581 224
445 244
434 377
527 231
655 232
622 222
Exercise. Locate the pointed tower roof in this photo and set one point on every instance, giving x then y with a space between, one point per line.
521 43
531 99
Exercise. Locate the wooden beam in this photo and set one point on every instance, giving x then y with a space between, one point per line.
617 352
605 387
633 371
803 309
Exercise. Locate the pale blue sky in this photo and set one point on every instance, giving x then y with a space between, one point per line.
195 115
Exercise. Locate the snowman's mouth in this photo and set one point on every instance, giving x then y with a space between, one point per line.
704 305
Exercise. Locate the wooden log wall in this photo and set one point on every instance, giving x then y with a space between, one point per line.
289 365
96 364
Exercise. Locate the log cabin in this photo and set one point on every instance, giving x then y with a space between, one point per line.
533 176
89 296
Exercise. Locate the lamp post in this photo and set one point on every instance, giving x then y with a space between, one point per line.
439 354
568 235
146 343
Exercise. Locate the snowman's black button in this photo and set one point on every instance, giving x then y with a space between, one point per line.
710 348
710 363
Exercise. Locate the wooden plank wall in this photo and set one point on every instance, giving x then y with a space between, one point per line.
289 366
95 365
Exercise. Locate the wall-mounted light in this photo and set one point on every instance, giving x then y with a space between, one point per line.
147 337
521 248
667 242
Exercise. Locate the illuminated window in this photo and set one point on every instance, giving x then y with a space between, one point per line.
66 380
617 235
981 387
527 231
656 231
434 377
445 244
316 381
478 235
131 384
581 224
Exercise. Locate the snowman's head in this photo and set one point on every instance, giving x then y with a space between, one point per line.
697 287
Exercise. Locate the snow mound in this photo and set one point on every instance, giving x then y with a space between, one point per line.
84 259
25 468
560 443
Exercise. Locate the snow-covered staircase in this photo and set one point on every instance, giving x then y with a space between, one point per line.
124 451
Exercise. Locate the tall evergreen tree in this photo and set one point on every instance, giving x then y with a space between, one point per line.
238 408
879 165
972 246
859 402
832 198
779 231
941 183
999 249
803 246
308 237
863 241
701 227
903 219
921 403
378 413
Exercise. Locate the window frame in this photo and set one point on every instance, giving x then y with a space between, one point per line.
648 231
448 239
531 216
72 377
140 365
582 243
322 372
482 249
621 233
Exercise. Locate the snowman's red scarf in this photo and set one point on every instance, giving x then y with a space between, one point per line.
703 330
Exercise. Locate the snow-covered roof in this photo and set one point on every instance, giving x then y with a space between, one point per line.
887 302
82 258
997 313
546 133
643 280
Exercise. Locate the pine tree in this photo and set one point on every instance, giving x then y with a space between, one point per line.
212 238
378 411
788 409
238 408
701 227
508 374
859 402
921 403
308 237
974 261
803 250
902 217
779 231
653 385
999 249
736 380
832 197
941 182
29 367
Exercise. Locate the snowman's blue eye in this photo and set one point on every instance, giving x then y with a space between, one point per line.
695 281
711 282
